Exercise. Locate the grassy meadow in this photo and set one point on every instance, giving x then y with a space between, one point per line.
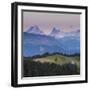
50 65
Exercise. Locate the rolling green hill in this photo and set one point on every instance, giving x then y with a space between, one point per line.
60 59
51 65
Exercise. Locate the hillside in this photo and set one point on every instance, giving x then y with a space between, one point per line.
52 65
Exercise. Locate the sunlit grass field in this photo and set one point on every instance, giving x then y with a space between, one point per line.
60 59
51 65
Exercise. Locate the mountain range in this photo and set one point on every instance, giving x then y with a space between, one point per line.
35 42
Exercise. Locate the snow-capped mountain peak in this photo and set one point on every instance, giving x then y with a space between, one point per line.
34 29
55 31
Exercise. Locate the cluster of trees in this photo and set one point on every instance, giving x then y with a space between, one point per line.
32 69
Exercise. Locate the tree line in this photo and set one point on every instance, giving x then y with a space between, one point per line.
50 54
33 69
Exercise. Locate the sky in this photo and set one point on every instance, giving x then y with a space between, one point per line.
46 21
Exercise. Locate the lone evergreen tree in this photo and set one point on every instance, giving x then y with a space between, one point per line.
56 59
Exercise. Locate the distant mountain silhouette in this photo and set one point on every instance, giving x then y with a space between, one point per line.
36 44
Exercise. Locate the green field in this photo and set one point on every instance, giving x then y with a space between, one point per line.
60 59
51 65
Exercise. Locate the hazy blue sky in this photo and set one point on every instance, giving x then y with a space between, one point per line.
46 21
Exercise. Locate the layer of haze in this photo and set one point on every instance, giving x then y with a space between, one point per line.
46 21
